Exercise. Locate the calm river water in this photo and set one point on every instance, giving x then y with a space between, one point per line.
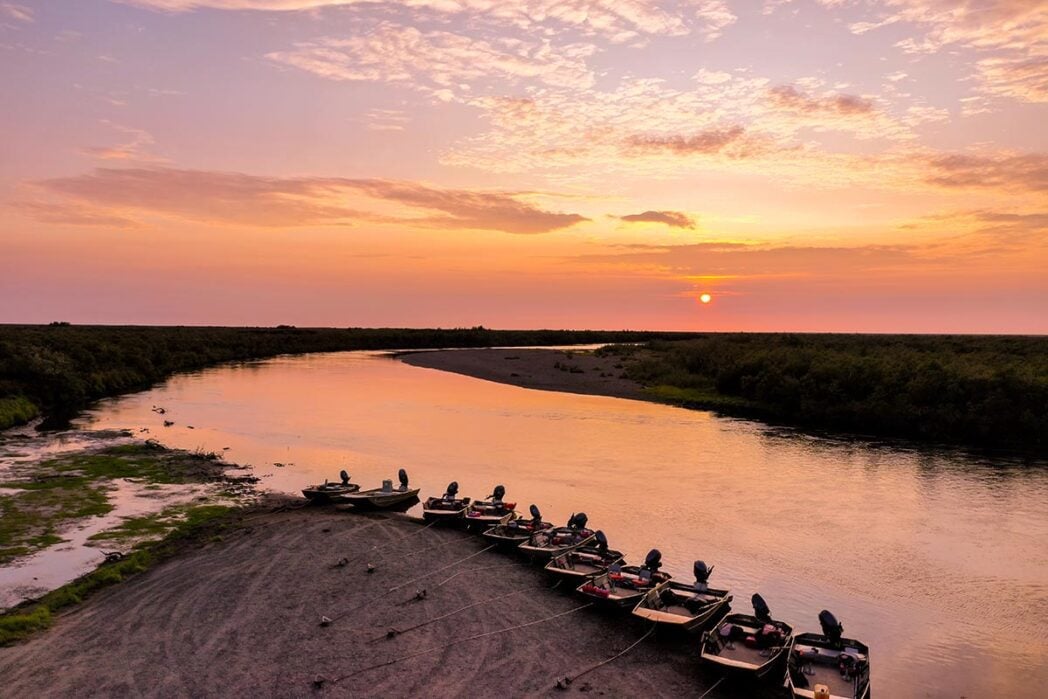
938 561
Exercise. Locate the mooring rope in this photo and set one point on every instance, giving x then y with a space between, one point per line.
473 570
563 684
449 565
402 585
378 547
397 632
449 644
711 688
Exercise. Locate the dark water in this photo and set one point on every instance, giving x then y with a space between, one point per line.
938 561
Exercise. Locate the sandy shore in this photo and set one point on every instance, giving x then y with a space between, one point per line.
545 369
240 617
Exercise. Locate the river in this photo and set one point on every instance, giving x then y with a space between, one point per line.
937 560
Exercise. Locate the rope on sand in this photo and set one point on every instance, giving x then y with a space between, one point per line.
473 570
320 681
394 589
396 632
565 681
711 688
378 547
449 565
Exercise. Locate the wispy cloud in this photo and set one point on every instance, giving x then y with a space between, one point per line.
439 62
19 13
673 219
1014 172
789 97
618 20
252 200
135 147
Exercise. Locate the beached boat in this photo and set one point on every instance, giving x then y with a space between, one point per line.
584 562
746 645
827 665
327 492
512 531
447 508
547 543
382 498
681 606
491 511
623 586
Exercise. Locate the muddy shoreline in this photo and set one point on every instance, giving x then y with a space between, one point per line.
240 616
568 371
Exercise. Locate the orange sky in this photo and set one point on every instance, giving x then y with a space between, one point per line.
841 165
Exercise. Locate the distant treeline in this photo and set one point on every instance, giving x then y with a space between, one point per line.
58 369
982 391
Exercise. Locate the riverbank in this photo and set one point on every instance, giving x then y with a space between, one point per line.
56 370
241 616
986 393
60 515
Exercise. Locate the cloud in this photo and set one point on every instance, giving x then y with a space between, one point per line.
135 148
439 61
673 219
703 142
1023 78
71 213
19 13
1009 172
789 97
618 20
252 200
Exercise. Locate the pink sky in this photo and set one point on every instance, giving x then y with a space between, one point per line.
838 165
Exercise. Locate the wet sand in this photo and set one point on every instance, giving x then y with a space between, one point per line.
535 368
240 617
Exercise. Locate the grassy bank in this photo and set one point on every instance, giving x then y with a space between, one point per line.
45 498
59 369
987 392
199 524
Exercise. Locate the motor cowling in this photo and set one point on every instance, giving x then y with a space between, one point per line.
653 561
702 571
831 628
602 542
536 514
344 476
578 521
403 476
760 608
498 493
452 491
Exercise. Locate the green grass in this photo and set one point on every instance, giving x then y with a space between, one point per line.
16 410
30 520
64 490
199 524
976 391
160 523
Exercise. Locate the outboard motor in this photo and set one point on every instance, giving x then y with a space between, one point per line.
702 573
403 475
498 493
653 561
536 515
344 476
760 608
831 628
602 542
578 521
452 491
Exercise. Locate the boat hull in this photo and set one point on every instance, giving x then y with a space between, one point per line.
378 500
321 495
676 616
747 662
825 672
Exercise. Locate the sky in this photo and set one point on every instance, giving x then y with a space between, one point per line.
807 165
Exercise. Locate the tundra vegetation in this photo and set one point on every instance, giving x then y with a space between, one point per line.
973 391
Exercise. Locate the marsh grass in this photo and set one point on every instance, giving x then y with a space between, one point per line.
195 525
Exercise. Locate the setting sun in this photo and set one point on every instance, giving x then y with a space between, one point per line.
705 298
